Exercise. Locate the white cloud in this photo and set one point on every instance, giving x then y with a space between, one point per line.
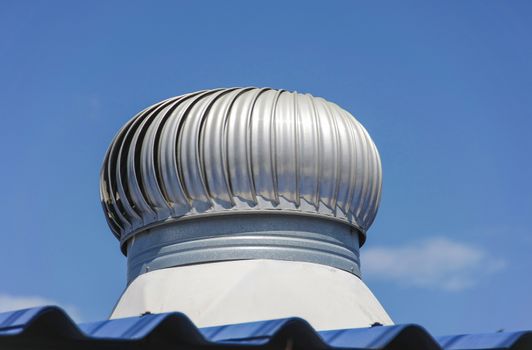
11 302
434 263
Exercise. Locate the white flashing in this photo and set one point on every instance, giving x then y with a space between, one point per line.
253 290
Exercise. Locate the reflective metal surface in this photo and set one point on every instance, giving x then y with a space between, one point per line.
228 151
242 237
50 328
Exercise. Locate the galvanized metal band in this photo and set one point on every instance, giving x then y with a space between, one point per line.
239 237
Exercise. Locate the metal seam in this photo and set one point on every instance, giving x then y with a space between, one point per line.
353 147
337 176
198 144
134 160
297 154
110 166
157 146
223 145
317 168
366 187
150 165
121 170
273 146
179 141
225 141
249 142
201 142
328 159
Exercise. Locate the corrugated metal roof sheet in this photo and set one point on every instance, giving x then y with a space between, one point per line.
51 328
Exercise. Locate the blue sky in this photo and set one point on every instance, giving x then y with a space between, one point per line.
444 88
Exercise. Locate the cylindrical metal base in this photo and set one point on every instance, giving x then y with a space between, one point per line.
242 237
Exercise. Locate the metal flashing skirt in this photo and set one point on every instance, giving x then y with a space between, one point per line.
240 150
238 237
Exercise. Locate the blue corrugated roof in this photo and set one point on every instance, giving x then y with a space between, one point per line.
50 327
